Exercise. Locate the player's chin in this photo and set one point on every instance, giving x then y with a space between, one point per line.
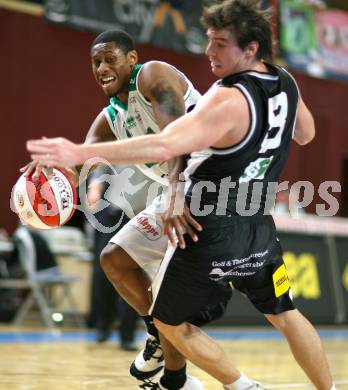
108 93
219 72
109 90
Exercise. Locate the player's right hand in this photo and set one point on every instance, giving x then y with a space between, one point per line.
33 167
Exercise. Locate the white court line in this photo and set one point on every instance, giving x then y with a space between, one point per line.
301 385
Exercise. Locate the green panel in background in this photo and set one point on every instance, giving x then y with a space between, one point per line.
297 29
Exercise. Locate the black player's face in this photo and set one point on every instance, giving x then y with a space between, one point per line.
225 56
112 68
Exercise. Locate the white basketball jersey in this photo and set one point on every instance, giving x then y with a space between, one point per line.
137 118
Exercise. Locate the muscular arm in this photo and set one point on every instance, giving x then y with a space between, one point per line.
165 88
305 128
221 118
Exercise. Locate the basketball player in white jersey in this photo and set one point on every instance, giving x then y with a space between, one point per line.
238 137
144 98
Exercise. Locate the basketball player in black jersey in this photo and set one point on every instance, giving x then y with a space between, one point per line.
237 138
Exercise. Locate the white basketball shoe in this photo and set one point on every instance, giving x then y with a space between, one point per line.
254 386
191 383
149 361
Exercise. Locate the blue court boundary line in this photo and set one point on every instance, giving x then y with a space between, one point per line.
89 336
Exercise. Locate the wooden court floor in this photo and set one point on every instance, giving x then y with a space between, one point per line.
36 360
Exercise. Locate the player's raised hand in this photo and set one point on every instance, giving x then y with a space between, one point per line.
58 152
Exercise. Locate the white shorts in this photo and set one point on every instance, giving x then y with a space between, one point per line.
143 239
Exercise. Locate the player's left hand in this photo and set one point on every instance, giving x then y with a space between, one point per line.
55 152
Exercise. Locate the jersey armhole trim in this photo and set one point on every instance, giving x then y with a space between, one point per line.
137 90
109 115
298 97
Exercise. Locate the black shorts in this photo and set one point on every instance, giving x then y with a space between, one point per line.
243 251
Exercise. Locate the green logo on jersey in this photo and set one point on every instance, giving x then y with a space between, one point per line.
128 125
149 131
149 165
130 122
256 169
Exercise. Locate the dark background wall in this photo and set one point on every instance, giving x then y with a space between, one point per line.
47 88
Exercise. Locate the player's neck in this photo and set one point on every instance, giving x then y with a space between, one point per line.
259 66
123 96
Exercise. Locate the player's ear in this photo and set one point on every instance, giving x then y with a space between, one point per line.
252 48
132 57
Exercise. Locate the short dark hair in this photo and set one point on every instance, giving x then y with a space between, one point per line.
120 38
246 20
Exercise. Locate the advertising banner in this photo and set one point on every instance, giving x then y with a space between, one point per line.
314 40
332 36
342 256
170 24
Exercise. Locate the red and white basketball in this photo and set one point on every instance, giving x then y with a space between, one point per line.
45 201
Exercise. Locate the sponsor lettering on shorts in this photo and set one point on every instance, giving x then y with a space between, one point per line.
246 266
148 226
280 281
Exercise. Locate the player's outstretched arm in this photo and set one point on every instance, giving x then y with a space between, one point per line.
216 121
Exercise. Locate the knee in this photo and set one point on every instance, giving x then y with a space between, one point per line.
169 331
109 259
283 321
160 326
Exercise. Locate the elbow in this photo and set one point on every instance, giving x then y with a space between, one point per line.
305 129
304 135
306 139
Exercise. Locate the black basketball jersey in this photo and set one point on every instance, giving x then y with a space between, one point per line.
242 179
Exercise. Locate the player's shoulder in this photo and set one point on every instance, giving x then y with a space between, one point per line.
229 103
156 73
154 64
156 69
219 93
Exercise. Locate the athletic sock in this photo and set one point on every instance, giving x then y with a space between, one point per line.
173 380
151 329
242 383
